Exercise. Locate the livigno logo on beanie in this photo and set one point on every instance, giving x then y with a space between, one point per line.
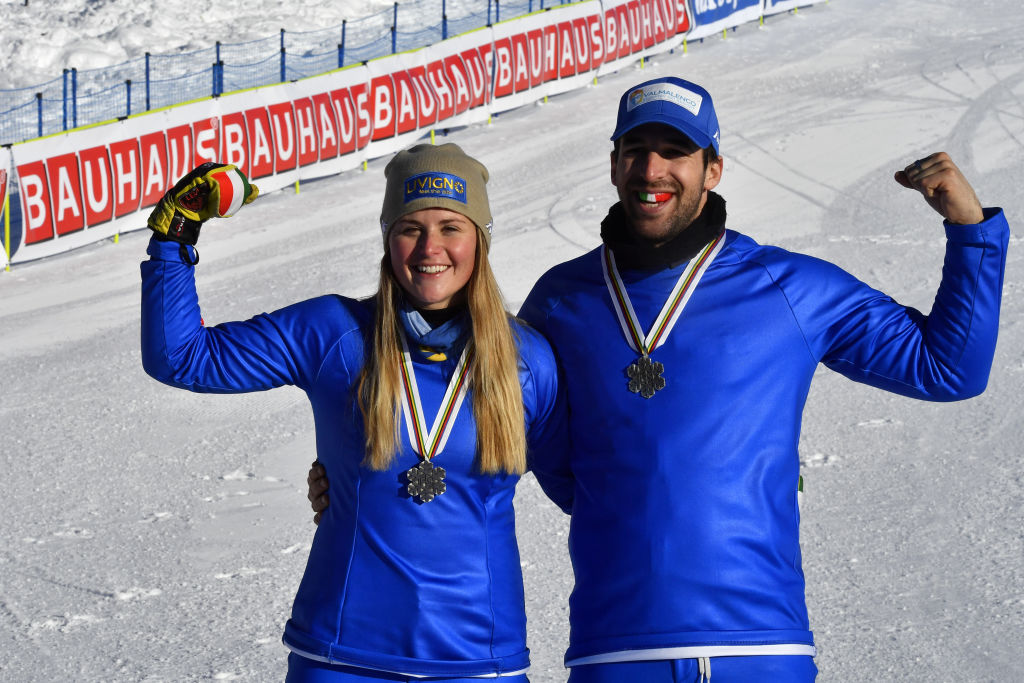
436 177
427 185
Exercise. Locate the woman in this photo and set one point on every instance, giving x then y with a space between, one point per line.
414 570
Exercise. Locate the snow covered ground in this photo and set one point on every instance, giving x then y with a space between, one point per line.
149 534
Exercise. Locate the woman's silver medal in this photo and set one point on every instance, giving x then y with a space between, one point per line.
425 481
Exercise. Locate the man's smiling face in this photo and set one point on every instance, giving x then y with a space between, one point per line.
662 180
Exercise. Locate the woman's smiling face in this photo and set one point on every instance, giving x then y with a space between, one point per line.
433 253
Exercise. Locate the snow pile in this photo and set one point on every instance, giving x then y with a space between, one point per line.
43 37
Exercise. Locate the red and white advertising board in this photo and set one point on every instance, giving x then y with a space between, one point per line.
333 126
523 60
93 183
641 28
96 190
580 50
463 62
401 100
546 53
89 184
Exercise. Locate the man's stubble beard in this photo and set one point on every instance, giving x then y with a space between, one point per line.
687 212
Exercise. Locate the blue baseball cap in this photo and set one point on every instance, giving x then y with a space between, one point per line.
685 106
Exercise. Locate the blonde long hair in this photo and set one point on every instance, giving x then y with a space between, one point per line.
495 389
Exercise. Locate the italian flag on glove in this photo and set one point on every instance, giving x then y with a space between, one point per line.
209 191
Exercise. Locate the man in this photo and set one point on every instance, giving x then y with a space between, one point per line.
688 352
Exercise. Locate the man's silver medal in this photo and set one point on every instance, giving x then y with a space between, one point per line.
645 374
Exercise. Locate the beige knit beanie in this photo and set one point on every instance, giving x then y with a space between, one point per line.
436 176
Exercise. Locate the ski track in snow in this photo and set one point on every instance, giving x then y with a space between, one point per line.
154 535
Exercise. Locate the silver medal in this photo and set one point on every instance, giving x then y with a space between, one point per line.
425 481
645 376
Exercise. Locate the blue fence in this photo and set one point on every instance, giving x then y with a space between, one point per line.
81 98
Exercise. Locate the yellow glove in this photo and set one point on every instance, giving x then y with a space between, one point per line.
209 191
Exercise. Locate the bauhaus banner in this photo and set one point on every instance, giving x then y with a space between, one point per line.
90 184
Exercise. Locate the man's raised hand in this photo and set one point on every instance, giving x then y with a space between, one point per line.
944 187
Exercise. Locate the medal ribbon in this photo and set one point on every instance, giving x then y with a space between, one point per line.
429 443
677 299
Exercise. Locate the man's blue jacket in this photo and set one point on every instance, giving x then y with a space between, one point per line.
684 532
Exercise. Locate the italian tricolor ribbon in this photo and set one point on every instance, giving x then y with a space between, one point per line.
677 299
429 443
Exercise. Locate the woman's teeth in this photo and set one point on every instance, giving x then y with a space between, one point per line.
431 269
